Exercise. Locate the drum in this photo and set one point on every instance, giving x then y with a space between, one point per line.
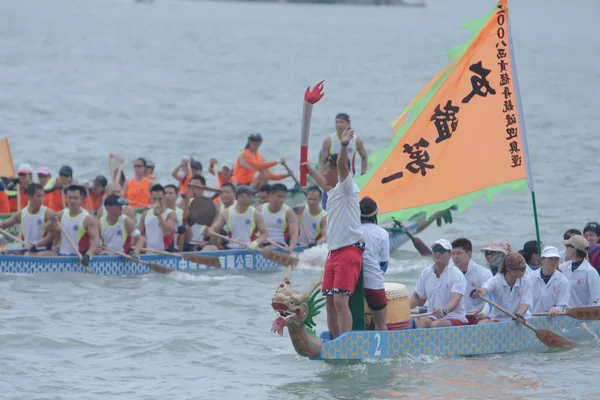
398 308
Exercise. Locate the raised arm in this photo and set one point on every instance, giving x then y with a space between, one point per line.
342 161
317 177
360 148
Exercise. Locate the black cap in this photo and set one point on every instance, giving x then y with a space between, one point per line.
256 137
66 171
114 200
592 226
100 180
244 189
196 164
343 116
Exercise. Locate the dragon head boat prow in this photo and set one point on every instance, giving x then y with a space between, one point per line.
297 311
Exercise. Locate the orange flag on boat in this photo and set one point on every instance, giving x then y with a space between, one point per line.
464 137
6 164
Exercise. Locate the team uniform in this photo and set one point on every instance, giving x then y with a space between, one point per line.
475 277
155 239
277 224
33 226
554 292
115 236
584 283
511 299
73 227
241 227
312 225
375 259
438 291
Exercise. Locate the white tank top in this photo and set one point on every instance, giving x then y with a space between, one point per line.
113 236
179 218
336 146
276 223
312 225
74 228
223 208
240 226
33 225
155 238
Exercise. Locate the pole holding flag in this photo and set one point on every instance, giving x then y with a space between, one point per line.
310 97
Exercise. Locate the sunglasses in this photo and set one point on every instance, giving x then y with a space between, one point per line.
440 250
138 166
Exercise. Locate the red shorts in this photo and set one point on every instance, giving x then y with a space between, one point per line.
342 270
376 299
454 322
471 320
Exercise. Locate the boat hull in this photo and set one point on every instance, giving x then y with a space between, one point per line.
114 265
470 340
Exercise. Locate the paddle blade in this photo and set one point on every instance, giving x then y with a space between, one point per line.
159 268
553 340
203 260
585 313
202 210
279 258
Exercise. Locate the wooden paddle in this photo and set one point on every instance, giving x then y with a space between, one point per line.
583 313
275 256
546 336
62 229
211 261
154 267
13 237
279 246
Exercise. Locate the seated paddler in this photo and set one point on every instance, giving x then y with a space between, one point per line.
509 289
442 286
549 287
281 220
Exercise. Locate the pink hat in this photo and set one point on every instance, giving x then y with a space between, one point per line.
44 171
497 245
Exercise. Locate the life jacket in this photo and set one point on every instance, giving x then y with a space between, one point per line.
139 193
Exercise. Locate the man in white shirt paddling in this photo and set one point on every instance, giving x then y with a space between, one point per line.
550 289
442 286
312 219
583 278
159 223
280 218
344 236
375 262
118 231
475 276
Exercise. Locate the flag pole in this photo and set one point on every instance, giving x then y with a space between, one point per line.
513 67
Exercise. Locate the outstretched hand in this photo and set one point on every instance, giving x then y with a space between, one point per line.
347 136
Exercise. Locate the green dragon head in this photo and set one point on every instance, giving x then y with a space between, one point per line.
295 309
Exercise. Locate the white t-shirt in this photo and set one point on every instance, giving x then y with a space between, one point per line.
585 284
476 276
555 293
438 291
343 215
377 250
507 298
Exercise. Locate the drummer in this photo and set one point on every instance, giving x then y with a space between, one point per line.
442 286
375 261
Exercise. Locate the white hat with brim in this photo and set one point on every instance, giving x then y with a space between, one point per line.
444 243
550 252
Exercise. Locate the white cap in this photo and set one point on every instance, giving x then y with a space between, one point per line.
550 252
444 243
25 169
228 166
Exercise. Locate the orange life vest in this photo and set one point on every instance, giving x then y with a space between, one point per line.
138 193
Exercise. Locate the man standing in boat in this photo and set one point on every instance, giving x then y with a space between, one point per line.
118 231
81 227
243 221
159 223
344 235
442 286
475 276
32 220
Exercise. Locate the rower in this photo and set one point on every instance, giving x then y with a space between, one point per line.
591 232
171 194
24 173
566 236
223 175
115 188
97 194
45 178
375 261
263 195
159 223
81 227
187 168
193 233
530 254
550 289
251 170
583 278
475 276
494 253
280 218
118 231
55 196
344 236
137 189
509 290
243 221
442 285
32 220
312 218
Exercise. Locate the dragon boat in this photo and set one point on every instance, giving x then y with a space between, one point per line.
297 310
114 265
